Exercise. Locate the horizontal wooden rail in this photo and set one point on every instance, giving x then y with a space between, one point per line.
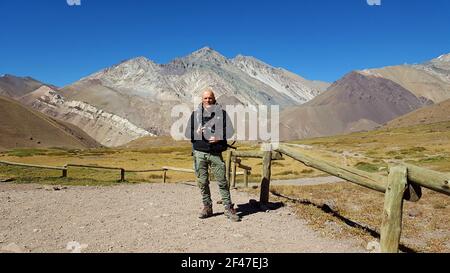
187 170
244 167
371 181
145 171
430 179
32 166
93 167
178 169
250 154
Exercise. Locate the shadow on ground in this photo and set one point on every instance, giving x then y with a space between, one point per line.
254 206
326 209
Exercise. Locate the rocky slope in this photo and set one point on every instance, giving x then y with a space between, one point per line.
22 127
108 129
354 103
430 79
13 87
290 84
431 114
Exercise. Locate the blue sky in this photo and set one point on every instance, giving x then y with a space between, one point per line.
317 39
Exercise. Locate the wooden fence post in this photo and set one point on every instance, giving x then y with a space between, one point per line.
246 178
236 162
164 176
122 175
265 181
391 226
228 167
64 171
233 175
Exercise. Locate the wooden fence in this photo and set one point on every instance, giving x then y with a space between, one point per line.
404 182
65 168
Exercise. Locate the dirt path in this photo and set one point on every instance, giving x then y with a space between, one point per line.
146 218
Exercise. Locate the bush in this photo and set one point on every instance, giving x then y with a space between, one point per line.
26 152
367 167
412 150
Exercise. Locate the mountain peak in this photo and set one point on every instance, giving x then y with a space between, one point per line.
354 75
137 63
16 80
443 58
10 76
139 60
125 70
205 49
206 54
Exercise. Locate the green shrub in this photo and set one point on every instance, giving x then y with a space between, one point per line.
367 167
26 152
433 159
412 150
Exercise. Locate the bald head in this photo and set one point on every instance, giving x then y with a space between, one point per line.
208 98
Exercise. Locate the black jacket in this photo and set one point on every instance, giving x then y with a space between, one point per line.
215 122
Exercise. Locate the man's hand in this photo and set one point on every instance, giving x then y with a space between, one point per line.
213 140
200 130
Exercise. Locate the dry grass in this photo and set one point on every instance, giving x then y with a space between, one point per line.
423 145
338 210
343 209
130 159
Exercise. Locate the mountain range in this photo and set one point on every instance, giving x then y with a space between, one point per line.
134 98
367 99
139 94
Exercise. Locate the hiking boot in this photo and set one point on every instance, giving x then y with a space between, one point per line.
230 212
206 212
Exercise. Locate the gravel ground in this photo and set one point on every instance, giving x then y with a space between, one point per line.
155 218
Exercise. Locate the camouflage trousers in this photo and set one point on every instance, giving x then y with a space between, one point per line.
202 161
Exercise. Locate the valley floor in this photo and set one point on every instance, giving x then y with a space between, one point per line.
156 218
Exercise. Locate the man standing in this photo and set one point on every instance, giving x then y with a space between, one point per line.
209 128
